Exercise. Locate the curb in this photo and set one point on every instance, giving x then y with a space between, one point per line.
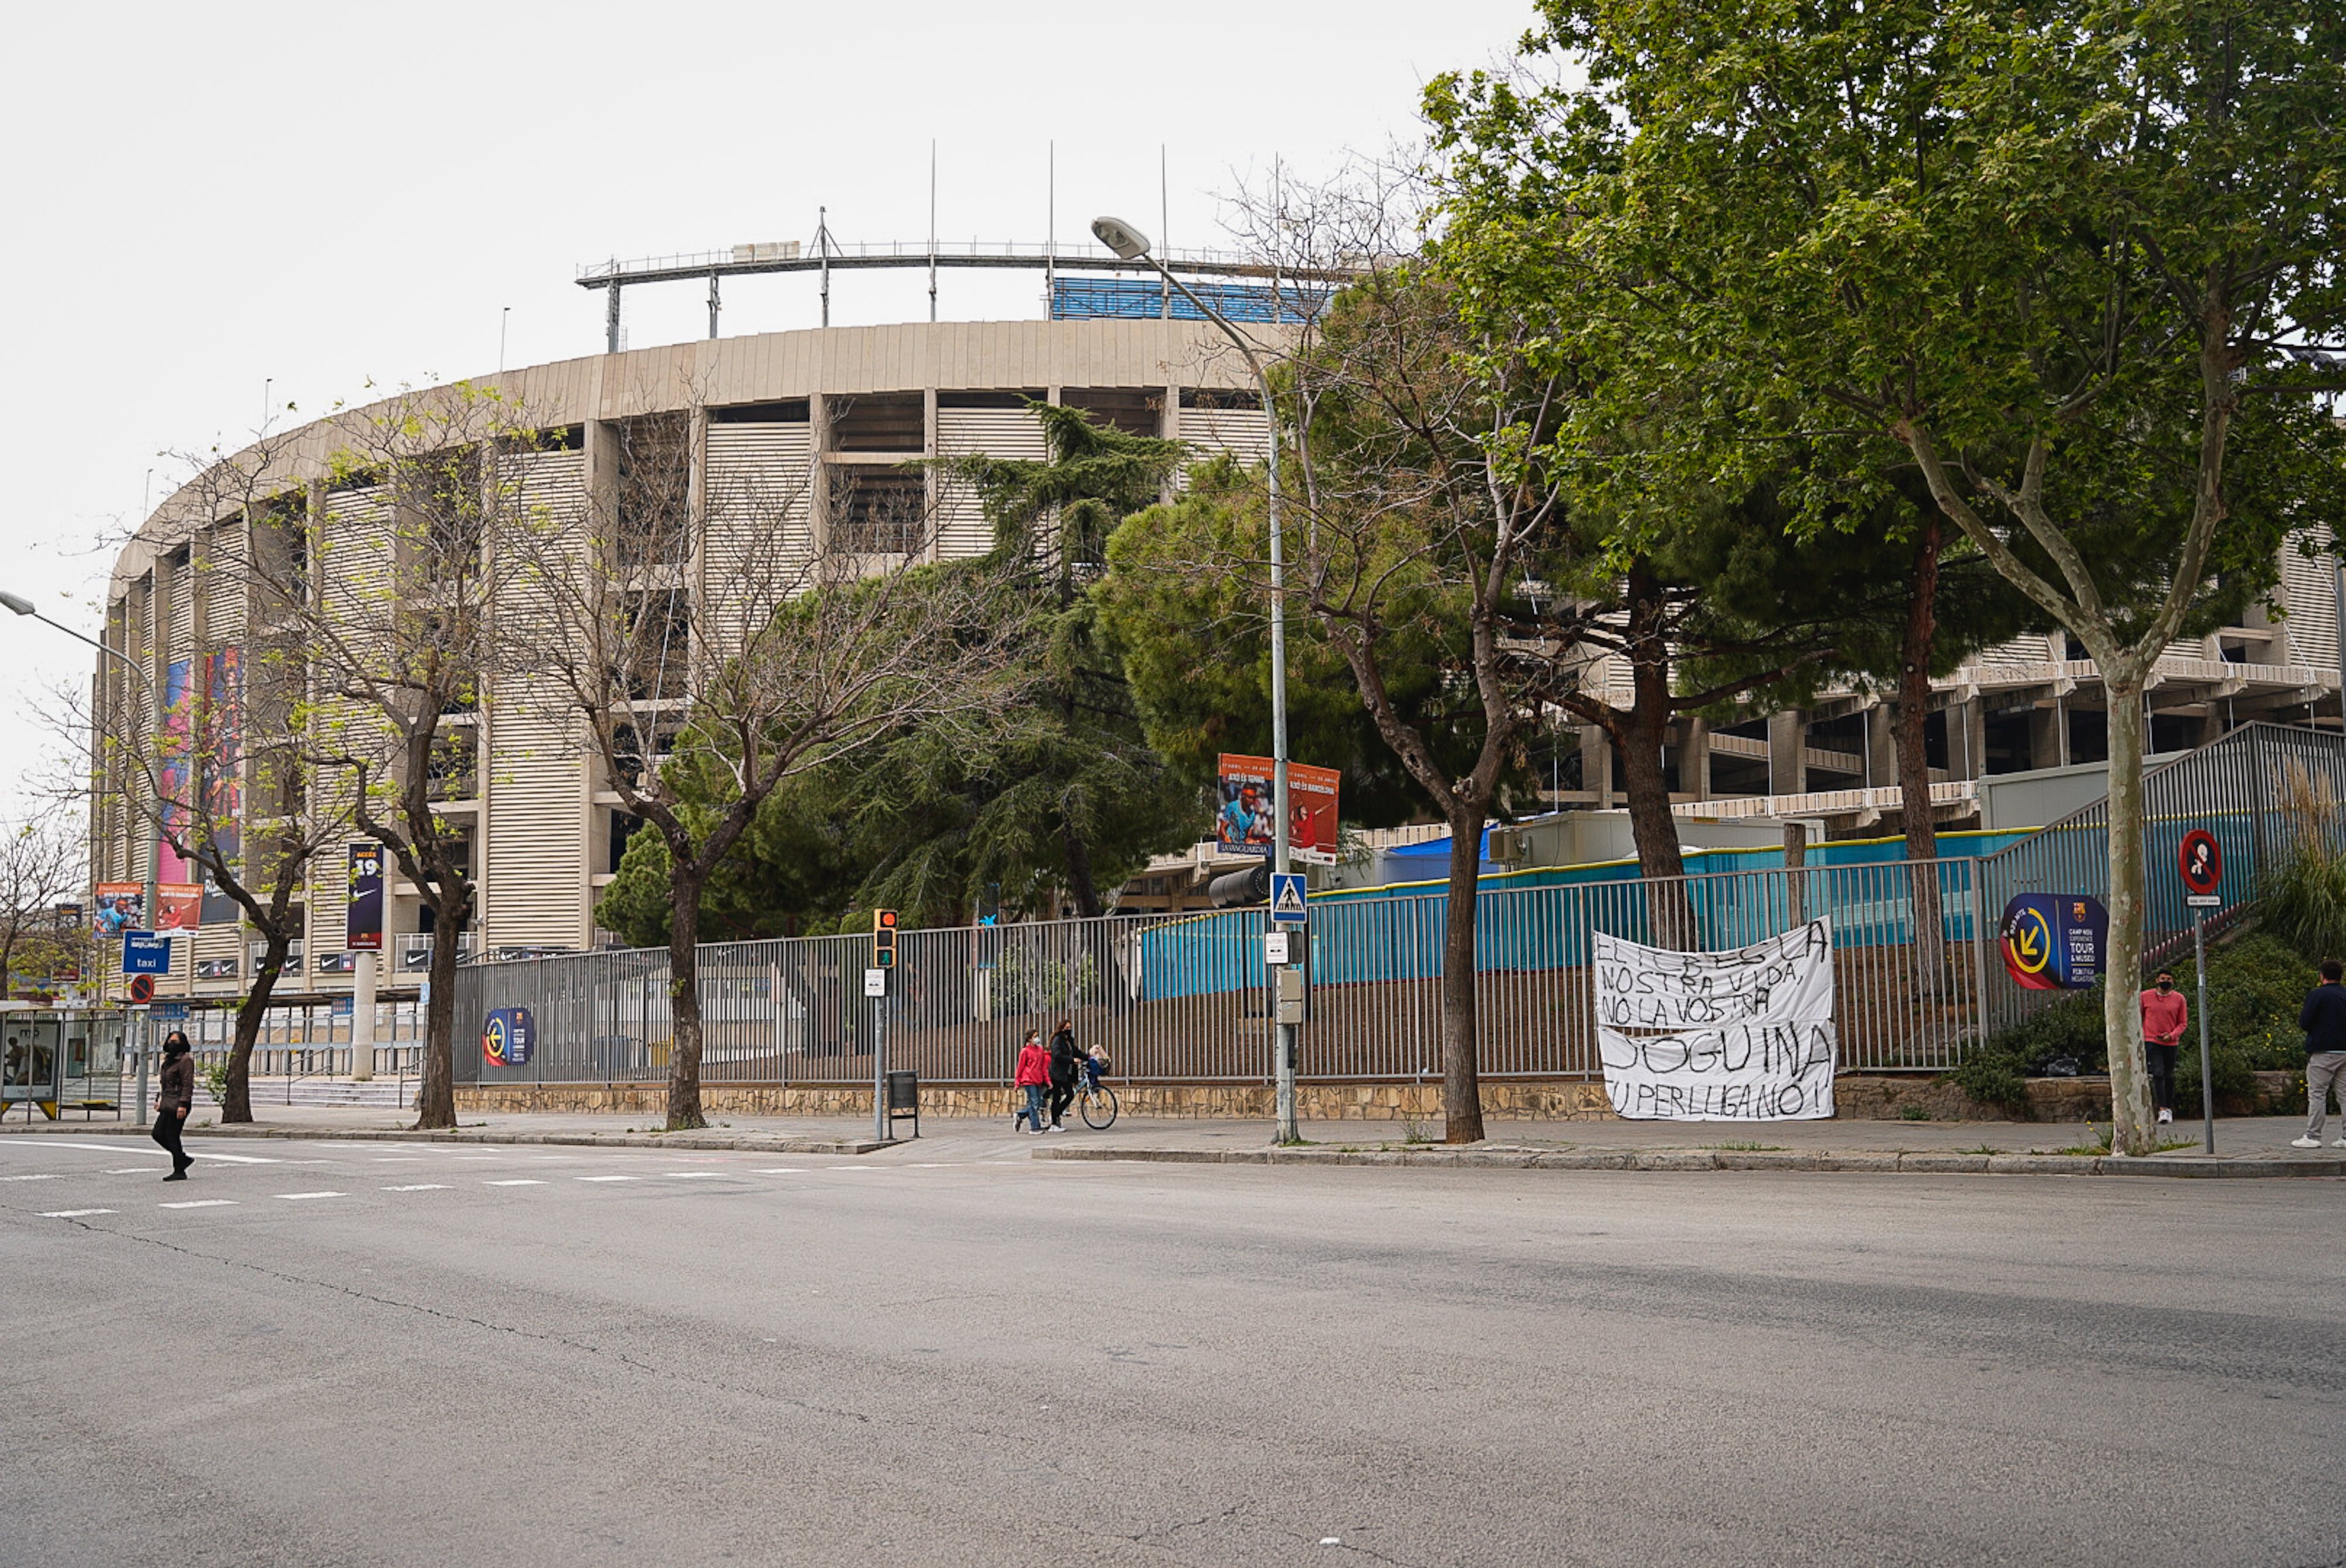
1725 1160
697 1140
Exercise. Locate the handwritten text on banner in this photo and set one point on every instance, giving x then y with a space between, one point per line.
1745 1035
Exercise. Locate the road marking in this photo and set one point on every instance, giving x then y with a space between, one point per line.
251 1159
136 1170
399 1159
779 1170
28 1178
422 1187
692 1176
298 1196
609 1178
523 1182
202 1203
73 1213
37 1141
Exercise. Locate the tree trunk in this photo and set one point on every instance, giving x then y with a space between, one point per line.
1913 735
1080 881
684 1112
1462 1076
1638 738
236 1105
2131 1129
435 1096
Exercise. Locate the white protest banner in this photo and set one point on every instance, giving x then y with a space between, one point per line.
1785 979
1745 1035
1744 1072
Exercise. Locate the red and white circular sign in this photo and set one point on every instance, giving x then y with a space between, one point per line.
2201 860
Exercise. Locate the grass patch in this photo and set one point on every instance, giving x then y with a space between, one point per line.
1748 1148
1911 1113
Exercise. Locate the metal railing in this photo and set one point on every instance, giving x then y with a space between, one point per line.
1182 999
2250 789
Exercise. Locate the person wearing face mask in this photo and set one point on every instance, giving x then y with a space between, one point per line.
2165 1014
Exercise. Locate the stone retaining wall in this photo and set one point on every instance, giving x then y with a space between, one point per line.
1859 1097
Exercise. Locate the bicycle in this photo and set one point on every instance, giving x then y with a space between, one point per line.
1097 1103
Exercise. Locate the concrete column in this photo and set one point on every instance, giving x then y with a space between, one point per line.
1788 737
1694 759
363 1018
2048 736
1882 746
1966 739
1596 765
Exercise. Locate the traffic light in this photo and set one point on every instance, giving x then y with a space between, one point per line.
883 939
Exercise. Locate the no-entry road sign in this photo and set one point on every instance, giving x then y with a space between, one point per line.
2200 859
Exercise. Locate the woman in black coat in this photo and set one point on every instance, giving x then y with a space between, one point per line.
176 1098
1064 1067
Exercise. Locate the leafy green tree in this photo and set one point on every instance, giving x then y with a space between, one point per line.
2052 258
1067 790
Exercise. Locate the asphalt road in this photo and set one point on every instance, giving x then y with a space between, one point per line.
370 1354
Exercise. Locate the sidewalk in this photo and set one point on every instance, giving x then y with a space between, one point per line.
2247 1146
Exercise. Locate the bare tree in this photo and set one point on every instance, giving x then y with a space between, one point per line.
207 765
1419 520
710 642
400 589
41 867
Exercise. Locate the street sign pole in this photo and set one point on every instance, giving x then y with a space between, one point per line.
880 1066
2200 951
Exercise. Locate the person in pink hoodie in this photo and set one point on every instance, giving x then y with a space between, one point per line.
2165 1015
1034 1077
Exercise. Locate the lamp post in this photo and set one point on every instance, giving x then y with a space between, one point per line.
1132 245
148 906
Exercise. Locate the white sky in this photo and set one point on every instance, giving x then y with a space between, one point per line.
212 204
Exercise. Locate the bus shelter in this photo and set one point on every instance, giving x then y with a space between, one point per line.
54 1060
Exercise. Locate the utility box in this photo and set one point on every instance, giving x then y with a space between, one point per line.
1289 994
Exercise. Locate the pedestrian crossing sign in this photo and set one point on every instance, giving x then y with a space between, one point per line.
1287 905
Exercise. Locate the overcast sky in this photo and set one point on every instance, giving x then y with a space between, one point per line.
214 205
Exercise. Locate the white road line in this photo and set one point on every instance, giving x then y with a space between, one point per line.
37 1141
251 1159
524 1182
779 1170
298 1196
399 1159
608 1178
28 1178
692 1176
202 1203
422 1187
136 1170
73 1213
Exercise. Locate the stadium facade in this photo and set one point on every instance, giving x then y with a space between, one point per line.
799 410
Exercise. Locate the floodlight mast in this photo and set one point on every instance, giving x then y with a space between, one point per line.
1132 245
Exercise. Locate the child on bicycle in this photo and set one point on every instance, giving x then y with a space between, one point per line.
1094 1068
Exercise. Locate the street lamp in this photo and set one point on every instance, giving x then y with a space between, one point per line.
147 908
1132 245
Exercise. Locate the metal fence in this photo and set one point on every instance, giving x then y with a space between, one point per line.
2261 791
1183 999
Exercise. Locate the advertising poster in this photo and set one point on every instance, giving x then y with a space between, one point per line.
363 917
2054 942
177 752
223 790
1244 825
116 908
178 905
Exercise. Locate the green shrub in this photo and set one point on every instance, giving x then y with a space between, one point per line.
2302 901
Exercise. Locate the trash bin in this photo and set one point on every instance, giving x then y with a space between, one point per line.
904 1100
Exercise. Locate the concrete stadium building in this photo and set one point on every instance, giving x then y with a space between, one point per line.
800 409
786 412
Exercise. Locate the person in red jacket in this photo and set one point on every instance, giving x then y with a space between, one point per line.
1034 1077
2165 1014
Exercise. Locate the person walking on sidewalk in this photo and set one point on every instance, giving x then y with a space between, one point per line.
2323 1019
1064 1059
2165 1014
1034 1077
176 1097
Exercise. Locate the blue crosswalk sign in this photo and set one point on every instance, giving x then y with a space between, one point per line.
1286 904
